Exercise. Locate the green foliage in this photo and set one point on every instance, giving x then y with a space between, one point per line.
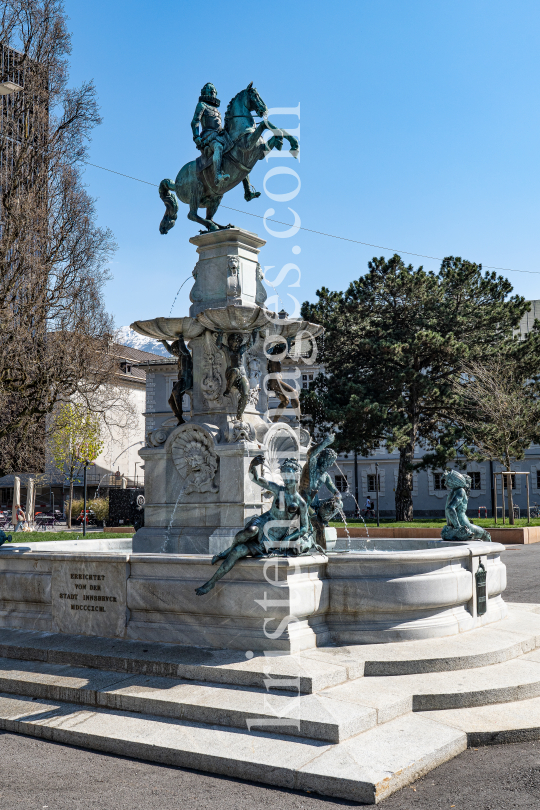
100 508
75 438
395 344
37 537
76 507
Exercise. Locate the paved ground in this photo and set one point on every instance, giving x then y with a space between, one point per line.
38 775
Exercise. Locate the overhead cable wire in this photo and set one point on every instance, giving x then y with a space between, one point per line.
323 233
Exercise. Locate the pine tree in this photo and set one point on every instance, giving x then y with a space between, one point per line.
395 342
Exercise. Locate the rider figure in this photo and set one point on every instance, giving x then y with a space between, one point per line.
212 136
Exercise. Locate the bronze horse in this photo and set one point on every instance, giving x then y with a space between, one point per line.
195 183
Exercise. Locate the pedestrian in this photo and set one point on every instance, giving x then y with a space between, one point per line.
20 519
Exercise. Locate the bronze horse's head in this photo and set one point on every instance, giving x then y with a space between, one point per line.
256 104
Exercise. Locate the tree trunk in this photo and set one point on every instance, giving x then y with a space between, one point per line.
510 500
404 503
70 503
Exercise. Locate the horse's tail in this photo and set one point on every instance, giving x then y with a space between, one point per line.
166 192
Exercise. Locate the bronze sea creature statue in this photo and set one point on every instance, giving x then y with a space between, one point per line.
288 508
274 382
458 525
235 373
314 475
4 538
184 383
229 151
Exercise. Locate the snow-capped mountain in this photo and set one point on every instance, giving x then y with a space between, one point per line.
127 337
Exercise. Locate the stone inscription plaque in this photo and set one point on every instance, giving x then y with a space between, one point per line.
89 597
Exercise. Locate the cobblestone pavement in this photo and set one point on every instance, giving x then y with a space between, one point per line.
39 775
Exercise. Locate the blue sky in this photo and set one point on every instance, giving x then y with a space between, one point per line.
419 131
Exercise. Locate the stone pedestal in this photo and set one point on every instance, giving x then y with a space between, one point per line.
197 491
196 507
228 270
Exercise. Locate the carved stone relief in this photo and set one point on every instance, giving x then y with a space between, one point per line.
212 379
195 459
196 292
157 437
253 398
261 295
240 431
233 278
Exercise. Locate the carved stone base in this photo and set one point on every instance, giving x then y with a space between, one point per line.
188 540
197 490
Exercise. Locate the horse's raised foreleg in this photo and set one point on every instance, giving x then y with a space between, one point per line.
282 133
166 189
253 139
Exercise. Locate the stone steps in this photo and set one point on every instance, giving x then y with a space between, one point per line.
332 715
307 672
310 716
311 721
514 680
494 725
365 768
498 683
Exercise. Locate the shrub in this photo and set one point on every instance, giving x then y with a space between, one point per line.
100 508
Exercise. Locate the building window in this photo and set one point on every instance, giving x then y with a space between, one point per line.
438 481
476 481
371 483
307 379
538 479
341 483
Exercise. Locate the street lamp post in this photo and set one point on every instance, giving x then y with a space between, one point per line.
356 495
377 488
86 463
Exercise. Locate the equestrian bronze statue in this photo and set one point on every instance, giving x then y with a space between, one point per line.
228 154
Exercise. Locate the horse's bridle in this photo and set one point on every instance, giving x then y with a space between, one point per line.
260 115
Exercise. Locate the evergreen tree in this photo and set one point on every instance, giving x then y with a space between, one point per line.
395 342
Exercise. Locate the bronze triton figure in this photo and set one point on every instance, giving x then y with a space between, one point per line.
459 527
235 373
274 382
185 375
288 508
228 155
314 475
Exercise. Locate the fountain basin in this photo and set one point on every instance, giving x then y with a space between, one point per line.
404 590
